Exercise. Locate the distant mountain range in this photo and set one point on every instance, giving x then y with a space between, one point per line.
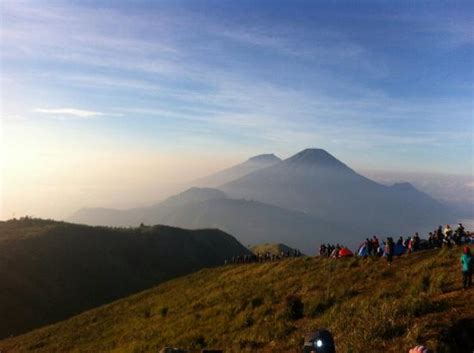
309 198
315 182
252 221
52 270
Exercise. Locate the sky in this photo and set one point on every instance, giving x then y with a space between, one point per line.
115 103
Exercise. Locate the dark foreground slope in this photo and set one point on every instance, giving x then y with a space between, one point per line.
369 306
50 270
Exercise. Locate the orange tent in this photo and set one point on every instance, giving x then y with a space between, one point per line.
345 252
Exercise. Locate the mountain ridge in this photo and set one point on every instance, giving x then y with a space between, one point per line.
53 270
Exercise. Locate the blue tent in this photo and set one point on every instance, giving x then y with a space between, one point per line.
363 251
399 250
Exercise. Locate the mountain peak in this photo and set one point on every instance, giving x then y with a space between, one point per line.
265 158
315 156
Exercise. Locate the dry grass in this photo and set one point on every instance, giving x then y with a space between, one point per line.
366 304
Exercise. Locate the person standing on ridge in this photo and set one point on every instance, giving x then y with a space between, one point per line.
416 242
368 245
389 250
466 263
375 245
448 235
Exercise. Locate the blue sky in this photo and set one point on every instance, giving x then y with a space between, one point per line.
381 85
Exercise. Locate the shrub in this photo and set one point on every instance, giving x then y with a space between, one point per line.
256 302
294 307
388 330
248 321
164 311
425 282
387 273
458 337
198 341
147 312
268 311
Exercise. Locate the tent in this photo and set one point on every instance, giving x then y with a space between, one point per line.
345 252
363 251
399 249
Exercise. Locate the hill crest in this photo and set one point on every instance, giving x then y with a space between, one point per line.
272 248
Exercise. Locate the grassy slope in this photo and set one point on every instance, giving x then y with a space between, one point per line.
366 304
50 271
271 248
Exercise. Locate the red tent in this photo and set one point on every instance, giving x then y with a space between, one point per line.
345 252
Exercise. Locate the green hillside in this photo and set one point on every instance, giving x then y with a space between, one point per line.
51 270
269 307
272 248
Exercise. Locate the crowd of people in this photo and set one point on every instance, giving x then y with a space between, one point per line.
440 237
373 247
330 250
264 257
448 236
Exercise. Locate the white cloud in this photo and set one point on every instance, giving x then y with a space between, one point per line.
80 113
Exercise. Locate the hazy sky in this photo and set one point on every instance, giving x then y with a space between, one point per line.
110 103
